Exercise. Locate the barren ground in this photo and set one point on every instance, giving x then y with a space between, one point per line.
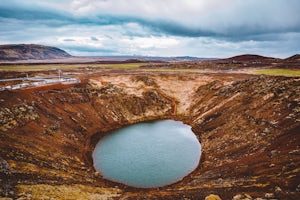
248 126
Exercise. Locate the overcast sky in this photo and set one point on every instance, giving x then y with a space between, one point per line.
203 28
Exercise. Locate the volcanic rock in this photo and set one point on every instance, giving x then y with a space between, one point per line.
48 134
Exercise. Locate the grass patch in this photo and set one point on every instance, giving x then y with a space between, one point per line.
173 70
42 67
119 66
278 72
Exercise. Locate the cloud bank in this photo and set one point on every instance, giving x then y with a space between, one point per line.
215 28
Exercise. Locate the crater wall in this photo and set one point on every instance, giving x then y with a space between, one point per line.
248 127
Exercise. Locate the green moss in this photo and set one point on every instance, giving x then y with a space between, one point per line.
278 72
41 67
120 66
174 70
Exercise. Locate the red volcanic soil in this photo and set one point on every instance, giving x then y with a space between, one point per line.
248 127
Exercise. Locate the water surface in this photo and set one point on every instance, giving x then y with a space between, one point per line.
147 155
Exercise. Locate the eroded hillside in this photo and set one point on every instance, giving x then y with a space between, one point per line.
248 127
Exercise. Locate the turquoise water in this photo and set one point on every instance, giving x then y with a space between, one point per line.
147 155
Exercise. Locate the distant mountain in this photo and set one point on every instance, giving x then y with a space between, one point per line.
188 58
249 57
15 52
295 57
246 58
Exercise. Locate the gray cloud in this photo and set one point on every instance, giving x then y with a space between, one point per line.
69 40
94 38
88 49
219 23
238 19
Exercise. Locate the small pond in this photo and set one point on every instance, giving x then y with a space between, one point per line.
147 155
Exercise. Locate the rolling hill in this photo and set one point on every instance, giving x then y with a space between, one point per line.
246 58
295 57
15 52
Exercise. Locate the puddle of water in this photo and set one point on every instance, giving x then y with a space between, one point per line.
148 155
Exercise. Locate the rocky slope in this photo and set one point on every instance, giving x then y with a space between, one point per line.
16 52
295 57
248 127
